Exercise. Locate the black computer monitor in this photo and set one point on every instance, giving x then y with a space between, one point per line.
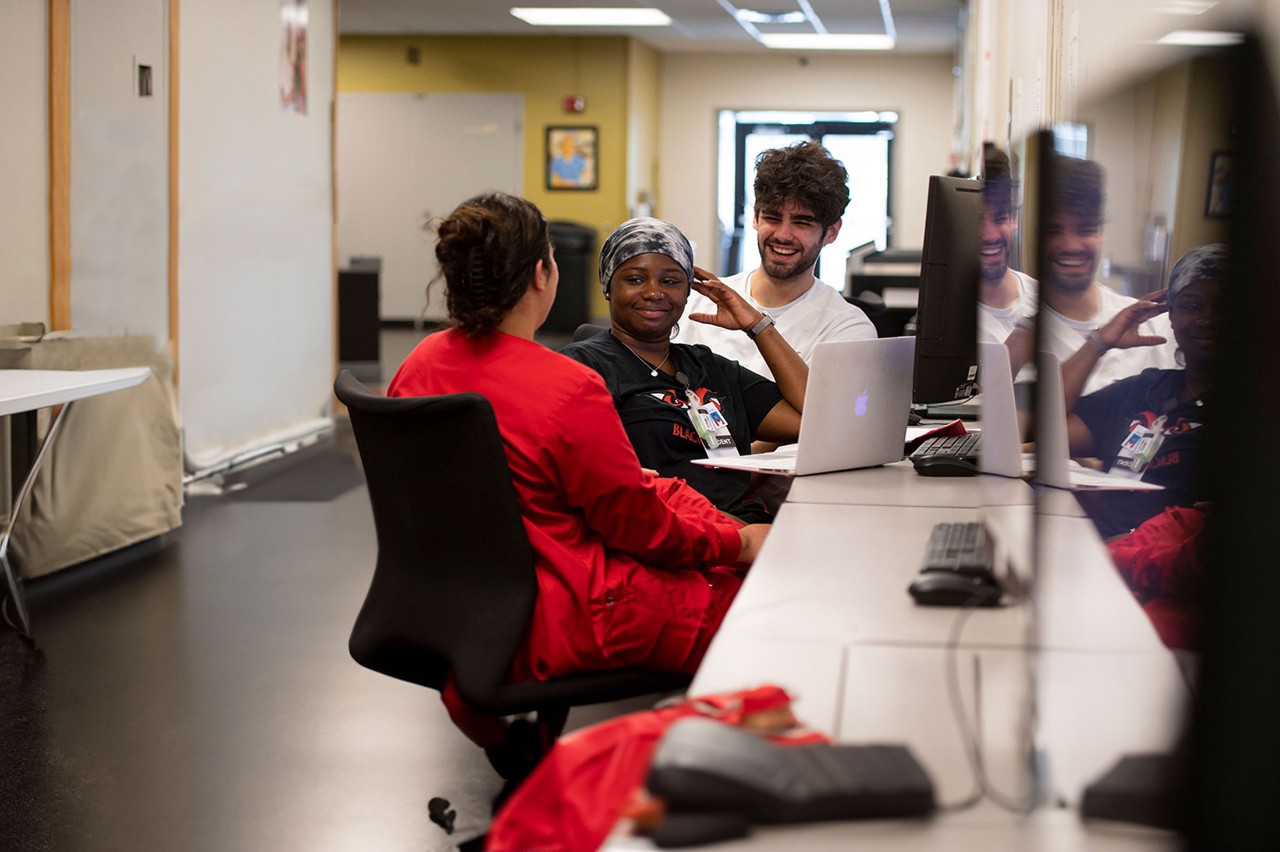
1236 771
946 367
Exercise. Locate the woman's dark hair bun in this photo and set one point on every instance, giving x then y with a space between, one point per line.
488 248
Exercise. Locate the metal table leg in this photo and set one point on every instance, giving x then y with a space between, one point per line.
15 595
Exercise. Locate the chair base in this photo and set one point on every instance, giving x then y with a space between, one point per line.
526 744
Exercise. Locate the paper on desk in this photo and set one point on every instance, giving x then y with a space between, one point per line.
782 460
1087 479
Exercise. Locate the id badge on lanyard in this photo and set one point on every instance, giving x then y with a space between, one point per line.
712 427
1139 448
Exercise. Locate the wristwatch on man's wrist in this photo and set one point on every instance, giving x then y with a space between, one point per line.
755 330
1095 337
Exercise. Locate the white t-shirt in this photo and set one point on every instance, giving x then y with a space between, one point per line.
821 314
1064 336
996 324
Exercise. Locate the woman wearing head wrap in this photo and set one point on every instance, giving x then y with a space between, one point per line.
680 402
630 568
1151 426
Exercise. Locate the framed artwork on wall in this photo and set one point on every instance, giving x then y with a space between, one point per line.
1217 202
571 157
293 56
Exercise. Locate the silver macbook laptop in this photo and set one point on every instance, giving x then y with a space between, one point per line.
855 410
1001 452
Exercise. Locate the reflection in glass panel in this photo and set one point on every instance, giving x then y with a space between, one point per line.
1134 266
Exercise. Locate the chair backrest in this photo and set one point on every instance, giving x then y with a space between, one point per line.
587 330
454 585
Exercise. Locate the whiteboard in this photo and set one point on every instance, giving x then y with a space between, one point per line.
405 158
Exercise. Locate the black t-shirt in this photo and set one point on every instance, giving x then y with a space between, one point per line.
1111 415
654 411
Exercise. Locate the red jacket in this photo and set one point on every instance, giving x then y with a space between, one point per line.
625 561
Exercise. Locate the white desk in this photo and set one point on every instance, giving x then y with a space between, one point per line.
28 390
825 614
898 484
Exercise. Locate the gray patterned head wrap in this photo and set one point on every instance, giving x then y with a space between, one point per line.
1203 263
635 237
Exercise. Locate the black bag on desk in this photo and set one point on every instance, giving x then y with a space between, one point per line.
703 765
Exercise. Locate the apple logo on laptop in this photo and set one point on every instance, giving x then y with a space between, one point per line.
860 404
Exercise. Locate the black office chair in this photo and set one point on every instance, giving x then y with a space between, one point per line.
588 330
454 584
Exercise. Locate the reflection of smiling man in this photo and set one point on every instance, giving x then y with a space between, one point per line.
801 193
1006 295
1076 304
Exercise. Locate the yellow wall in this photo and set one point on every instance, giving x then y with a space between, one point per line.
1208 129
544 71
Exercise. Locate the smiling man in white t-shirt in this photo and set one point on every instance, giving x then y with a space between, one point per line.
1075 303
801 192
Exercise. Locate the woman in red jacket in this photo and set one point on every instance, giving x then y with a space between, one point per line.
632 569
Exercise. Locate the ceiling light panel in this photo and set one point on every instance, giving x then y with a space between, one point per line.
827 41
751 16
1186 7
852 16
1202 38
591 17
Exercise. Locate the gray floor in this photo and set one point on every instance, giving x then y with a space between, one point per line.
196 694
202 698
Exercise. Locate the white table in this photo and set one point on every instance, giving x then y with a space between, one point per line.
898 484
825 614
28 390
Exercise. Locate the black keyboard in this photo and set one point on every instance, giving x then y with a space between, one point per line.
948 455
958 547
957 569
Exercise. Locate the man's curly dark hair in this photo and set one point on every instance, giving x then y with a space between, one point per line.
1078 188
804 173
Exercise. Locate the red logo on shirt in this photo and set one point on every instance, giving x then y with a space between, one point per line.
1174 426
679 400
685 432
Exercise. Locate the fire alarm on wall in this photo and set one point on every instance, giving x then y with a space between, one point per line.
575 103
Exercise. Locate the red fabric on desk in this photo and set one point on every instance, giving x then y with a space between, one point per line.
574 798
954 428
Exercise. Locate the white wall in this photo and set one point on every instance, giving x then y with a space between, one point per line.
1087 48
256 297
119 170
694 88
24 161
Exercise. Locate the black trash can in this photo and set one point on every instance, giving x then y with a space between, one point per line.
576 256
359 323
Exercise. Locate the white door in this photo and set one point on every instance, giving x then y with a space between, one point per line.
406 158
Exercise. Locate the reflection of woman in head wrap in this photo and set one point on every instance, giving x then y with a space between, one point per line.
1151 426
646 272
